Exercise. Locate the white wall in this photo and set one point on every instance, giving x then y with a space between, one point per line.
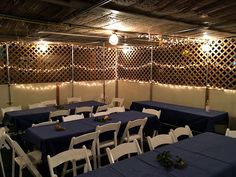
224 101
187 96
132 91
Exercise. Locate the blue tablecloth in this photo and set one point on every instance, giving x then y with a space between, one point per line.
51 142
24 119
198 119
206 155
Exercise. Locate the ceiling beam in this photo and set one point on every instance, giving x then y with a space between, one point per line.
77 5
137 12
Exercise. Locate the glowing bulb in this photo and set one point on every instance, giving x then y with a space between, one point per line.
42 46
205 48
113 39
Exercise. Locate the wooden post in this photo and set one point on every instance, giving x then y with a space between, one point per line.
58 94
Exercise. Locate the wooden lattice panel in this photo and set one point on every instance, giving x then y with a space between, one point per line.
180 64
28 64
222 72
94 63
134 63
3 65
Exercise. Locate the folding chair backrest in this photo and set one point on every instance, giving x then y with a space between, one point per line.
82 109
102 108
135 123
117 102
100 114
85 110
83 138
116 109
180 131
230 133
72 117
109 127
152 111
59 113
69 155
36 105
45 123
123 149
160 140
10 109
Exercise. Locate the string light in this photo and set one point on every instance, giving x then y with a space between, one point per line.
177 86
93 84
93 69
39 88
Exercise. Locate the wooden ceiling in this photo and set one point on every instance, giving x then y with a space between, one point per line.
135 21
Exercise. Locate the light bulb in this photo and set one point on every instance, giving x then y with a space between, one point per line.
113 40
205 48
42 46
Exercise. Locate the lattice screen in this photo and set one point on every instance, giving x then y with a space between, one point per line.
222 72
3 65
180 64
172 66
94 63
134 63
28 64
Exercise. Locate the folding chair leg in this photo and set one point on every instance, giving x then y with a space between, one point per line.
99 158
3 171
13 163
20 172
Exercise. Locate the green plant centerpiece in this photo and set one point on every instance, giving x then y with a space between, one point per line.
102 119
167 160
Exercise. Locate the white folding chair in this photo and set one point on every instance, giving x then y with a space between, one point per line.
123 149
100 114
29 160
117 102
230 133
45 123
10 109
116 109
160 140
83 139
102 108
73 99
181 131
131 125
107 128
84 109
72 117
58 113
2 145
72 155
49 102
154 112
36 105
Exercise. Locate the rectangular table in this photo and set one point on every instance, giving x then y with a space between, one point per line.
206 155
51 142
24 119
198 119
